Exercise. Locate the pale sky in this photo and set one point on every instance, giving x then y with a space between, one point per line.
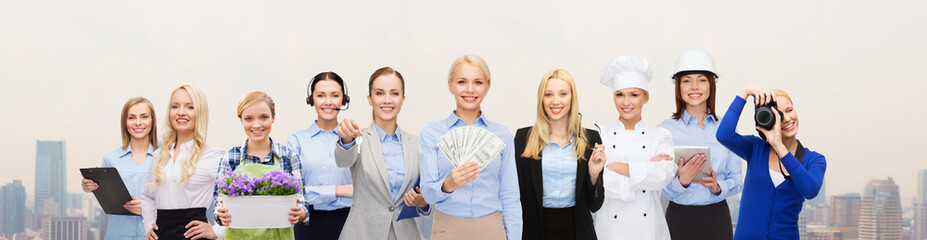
852 67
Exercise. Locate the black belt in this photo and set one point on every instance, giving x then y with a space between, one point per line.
172 223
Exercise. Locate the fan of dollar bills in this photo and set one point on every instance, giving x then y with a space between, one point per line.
470 144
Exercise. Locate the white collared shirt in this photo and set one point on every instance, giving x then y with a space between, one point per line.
171 194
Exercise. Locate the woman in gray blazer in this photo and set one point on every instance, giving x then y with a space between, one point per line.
384 166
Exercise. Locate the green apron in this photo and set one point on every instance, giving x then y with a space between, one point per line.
253 171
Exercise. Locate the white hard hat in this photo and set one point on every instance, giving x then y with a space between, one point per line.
627 72
695 60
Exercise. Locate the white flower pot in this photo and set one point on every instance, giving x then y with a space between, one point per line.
260 211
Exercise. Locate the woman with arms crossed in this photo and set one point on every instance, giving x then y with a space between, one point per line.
183 174
132 160
384 164
471 203
559 173
639 159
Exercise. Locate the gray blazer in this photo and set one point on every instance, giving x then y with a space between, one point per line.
374 211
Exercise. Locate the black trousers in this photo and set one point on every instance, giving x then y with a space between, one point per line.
172 223
559 223
322 225
711 221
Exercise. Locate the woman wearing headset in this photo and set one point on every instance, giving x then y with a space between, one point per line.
559 173
639 159
139 141
183 174
471 203
384 163
328 188
781 173
697 208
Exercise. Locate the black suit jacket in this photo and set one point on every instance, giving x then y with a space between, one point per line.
589 197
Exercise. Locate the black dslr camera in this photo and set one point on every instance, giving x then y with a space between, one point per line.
765 117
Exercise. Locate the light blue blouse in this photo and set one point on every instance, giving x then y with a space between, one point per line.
496 188
316 150
727 166
558 168
134 176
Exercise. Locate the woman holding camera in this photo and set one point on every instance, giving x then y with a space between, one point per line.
781 173
697 208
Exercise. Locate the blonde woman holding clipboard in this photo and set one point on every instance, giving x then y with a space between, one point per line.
384 165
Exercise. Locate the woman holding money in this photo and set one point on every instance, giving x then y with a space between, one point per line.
472 184
639 159
384 163
559 165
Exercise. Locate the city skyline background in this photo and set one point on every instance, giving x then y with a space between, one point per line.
851 67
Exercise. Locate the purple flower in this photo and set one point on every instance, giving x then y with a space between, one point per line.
277 182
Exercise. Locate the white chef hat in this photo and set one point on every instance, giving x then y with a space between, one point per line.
627 72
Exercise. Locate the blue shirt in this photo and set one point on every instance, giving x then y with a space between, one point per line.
134 176
316 151
768 211
287 158
727 166
558 170
391 146
495 189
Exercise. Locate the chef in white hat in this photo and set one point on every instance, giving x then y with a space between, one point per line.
639 158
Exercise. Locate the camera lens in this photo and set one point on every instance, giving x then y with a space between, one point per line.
764 117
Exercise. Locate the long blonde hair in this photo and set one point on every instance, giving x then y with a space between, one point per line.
152 136
170 137
538 137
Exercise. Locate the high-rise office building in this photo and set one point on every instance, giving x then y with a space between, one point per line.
12 208
880 212
919 223
65 228
50 176
844 210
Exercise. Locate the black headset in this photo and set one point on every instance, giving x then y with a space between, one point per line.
328 76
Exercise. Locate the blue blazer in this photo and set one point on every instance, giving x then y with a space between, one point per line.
768 211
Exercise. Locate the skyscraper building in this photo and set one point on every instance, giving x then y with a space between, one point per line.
880 212
12 208
50 176
919 223
844 210
65 228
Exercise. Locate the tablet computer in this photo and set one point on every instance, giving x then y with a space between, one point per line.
112 193
686 152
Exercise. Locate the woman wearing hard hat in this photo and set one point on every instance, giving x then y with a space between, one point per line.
781 173
638 159
697 208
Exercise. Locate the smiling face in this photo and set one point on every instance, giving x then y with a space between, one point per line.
182 113
630 102
695 89
257 120
386 97
557 99
789 118
138 121
327 97
469 86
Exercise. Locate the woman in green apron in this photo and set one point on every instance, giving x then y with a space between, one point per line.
257 156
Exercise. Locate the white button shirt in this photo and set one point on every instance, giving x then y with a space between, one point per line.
633 207
172 194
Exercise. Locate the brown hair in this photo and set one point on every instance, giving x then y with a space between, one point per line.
385 71
152 136
681 104
255 97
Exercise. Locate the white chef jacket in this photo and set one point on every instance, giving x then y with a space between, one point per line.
633 207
